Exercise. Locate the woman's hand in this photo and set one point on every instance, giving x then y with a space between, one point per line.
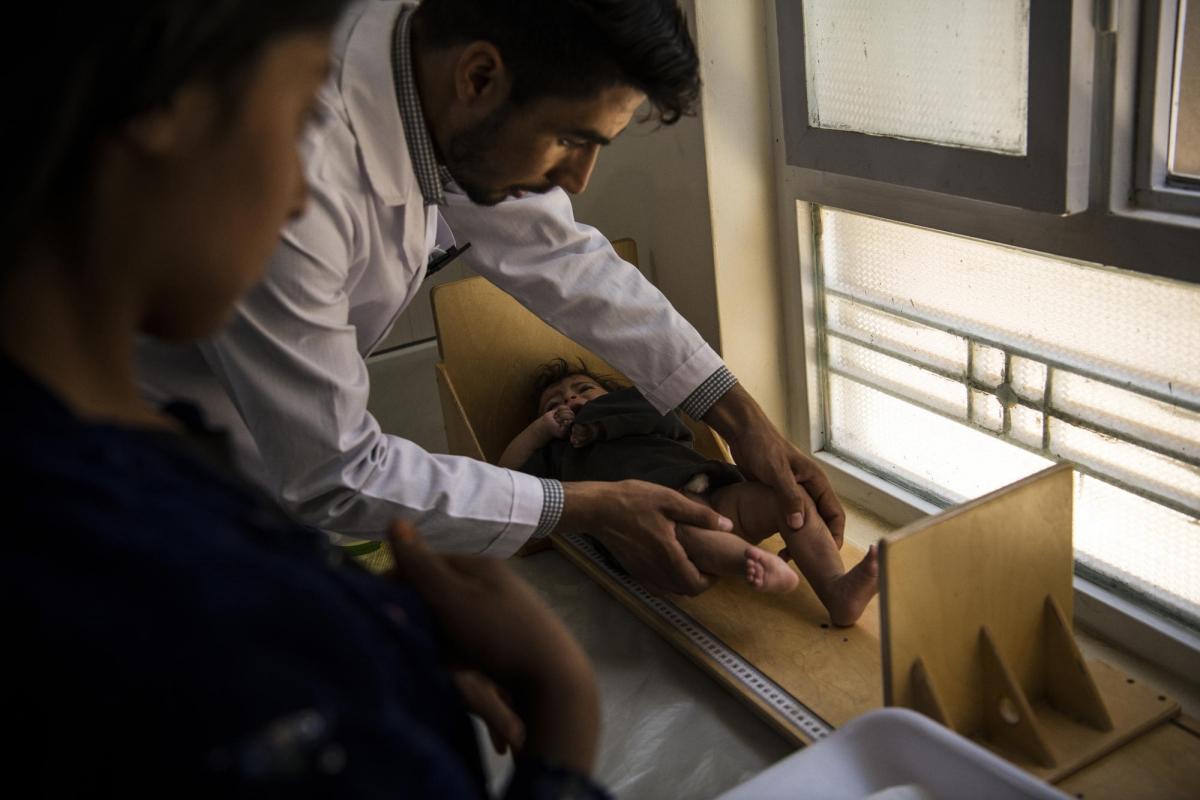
495 623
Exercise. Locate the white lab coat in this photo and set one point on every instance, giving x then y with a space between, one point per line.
288 379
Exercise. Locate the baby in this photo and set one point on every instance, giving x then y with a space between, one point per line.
589 428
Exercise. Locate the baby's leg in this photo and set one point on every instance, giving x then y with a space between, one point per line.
755 511
719 553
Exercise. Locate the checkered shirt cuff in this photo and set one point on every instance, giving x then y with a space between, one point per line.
553 500
713 389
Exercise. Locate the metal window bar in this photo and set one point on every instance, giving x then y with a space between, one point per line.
1009 399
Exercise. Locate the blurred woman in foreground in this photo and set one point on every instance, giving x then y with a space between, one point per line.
168 630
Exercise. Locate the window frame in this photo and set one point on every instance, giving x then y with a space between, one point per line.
1153 186
1112 231
1052 175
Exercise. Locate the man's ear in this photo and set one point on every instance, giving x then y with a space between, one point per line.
187 118
481 79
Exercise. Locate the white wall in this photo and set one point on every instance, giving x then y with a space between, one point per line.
741 173
699 199
651 185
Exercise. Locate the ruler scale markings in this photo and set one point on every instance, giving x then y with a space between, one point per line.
762 687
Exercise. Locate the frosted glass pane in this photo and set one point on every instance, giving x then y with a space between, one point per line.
1112 357
1129 463
930 345
1028 379
1143 544
920 447
913 382
987 411
1027 426
1126 326
987 365
945 71
1142 418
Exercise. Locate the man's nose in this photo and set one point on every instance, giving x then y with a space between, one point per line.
575 171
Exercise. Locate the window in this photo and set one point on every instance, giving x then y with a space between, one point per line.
1183 160
956 366
973 311
1168 124
938 95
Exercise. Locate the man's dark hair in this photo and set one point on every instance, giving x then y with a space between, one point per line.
101 64
576 48
556 369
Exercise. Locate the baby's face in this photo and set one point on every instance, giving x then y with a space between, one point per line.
573 391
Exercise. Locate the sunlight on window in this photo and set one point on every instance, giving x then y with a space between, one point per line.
954 367
953 72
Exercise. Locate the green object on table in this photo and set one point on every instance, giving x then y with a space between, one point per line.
358 549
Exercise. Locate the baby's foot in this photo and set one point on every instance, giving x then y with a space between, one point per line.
850 593
766 572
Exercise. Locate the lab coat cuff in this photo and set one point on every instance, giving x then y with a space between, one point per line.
531 506
684 381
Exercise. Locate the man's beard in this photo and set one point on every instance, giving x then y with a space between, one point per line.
468 156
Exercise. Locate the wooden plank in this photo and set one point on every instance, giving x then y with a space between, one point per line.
460 435
925 696
1070 687
1188 723
1135 708
678 640
1008 719
993 560
1163 764
491 347
626 249
1002 557
833 671
1004 563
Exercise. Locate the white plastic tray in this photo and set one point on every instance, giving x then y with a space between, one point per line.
893 753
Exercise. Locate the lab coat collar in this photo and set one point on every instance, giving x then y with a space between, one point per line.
368 88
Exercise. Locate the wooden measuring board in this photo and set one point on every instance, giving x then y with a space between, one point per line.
778 652
805 676
1163 764
976 609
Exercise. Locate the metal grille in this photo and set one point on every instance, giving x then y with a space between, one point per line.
901 360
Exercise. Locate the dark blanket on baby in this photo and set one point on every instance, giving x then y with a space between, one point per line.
635 442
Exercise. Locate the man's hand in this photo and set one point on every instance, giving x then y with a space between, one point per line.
636 521
762 453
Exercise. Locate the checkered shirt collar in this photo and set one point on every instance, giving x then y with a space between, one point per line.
432 177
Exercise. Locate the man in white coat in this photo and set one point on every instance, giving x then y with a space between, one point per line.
470 121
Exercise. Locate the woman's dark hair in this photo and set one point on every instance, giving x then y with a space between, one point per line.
556 369
575 48
81 71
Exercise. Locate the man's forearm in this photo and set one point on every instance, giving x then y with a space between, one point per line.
579 506
733 413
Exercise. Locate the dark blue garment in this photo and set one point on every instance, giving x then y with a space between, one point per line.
168 631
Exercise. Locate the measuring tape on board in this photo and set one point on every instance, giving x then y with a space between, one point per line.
795 713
